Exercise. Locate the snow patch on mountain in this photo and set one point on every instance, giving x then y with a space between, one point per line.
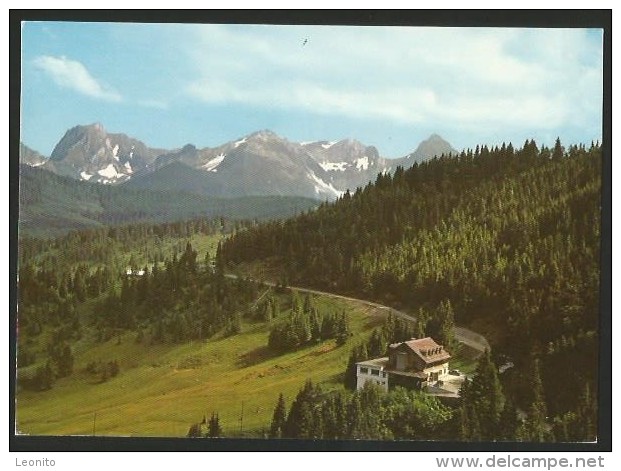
362 163
38 164
322 187
328 145
86 176
212 165
328 166
128 167
240 142
115 152
109 172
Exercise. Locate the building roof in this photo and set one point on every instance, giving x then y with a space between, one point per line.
375 362
426 349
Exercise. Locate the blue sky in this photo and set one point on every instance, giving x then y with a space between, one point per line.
173 84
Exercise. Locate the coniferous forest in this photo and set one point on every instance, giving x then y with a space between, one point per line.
509 237
504 241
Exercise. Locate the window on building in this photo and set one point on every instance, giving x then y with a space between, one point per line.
375 372
383 374
364 371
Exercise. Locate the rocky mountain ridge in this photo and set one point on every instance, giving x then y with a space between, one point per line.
261 163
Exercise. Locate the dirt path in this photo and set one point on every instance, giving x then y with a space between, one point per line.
462 334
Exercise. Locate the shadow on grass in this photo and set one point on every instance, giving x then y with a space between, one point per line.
256 356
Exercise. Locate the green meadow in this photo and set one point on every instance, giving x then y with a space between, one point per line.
162 390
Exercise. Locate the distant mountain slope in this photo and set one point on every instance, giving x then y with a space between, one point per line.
261 163
430 147
51 204
28 156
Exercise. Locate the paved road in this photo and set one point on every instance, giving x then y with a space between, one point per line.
462 334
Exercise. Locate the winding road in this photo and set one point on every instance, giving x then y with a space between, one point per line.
462 334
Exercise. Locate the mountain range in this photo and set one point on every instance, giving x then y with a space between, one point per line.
259 164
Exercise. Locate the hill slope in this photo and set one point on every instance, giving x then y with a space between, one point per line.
510 238
52 204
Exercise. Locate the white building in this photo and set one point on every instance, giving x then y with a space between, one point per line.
372 370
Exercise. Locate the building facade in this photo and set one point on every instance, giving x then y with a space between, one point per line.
414 364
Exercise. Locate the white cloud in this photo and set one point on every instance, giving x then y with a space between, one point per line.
501 78
73 75
158 104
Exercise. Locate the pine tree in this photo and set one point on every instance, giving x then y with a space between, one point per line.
357 354
329 419
279 418
355 427
194 431
447 325
371 424
376 346
342 329
214 429
509 422
300 420
557 153
485 396
465 427
536 425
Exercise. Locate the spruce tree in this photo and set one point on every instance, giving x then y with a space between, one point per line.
486 397
557 153
357 354
214 429
376 346
194 431
279 418
509 422
342 329
447 325
300 417
537 425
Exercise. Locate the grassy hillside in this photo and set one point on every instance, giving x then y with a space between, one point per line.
162 389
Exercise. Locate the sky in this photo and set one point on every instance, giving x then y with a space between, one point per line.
173 84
